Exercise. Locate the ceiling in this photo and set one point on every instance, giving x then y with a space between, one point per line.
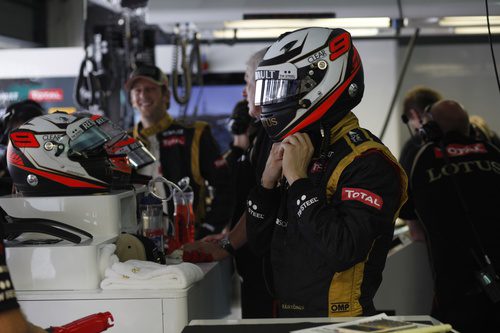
208 15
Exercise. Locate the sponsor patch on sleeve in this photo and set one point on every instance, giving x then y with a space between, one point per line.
304 202
356 136
363 196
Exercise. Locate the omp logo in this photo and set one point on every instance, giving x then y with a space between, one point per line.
363 196
174 140
461 150
47 95
339 307
303 203
269 122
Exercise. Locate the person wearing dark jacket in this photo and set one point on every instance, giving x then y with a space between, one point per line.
182 150
247 158
330 192
453 185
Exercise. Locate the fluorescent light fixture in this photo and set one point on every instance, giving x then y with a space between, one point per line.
276 32
462 21
476 30
355 22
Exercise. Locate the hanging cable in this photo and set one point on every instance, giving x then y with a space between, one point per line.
490 38
195 62
186 75
409 52
399 22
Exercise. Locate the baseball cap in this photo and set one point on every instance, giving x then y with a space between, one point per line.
147 72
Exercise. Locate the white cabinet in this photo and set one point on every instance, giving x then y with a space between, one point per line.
151 311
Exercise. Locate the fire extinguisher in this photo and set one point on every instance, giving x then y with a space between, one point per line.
95 323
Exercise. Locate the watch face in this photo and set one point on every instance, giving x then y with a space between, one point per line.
226 245
224 242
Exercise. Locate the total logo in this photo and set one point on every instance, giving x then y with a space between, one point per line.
461 150
363 196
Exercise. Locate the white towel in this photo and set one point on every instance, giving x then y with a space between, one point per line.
107 258
137 274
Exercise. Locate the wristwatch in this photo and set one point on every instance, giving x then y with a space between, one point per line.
225 244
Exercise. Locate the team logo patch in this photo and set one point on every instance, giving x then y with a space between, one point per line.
455 150
173 141
317 167
363 196
356 137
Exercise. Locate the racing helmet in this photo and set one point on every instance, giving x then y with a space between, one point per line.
120 143
61 154
306 76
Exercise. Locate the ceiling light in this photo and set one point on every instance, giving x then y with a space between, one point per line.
271 33
476 30
356 22
461 21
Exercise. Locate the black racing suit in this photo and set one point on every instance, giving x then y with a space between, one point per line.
191 150
329 234
7 294
247 166
448 196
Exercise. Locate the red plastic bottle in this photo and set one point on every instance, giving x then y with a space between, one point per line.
184 217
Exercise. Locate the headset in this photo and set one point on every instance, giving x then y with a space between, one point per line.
428 132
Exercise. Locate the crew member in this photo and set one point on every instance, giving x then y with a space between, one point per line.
182 150
453 186
330 190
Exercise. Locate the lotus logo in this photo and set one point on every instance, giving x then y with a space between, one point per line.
269 122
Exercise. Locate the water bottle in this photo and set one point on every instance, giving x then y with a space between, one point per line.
184 212
151 220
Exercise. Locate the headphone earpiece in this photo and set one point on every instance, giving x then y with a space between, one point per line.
404 119
430 132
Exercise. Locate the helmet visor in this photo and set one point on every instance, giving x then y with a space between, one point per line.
275 91
89 140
